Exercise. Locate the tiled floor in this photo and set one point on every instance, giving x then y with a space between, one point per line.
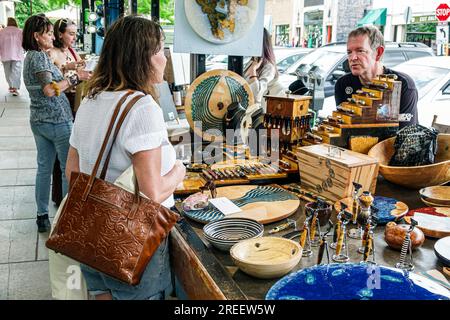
23 256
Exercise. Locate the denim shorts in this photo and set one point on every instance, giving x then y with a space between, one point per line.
155 282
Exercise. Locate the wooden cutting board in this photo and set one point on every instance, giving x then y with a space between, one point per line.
437 195
208 98
264 204
431 221
389 209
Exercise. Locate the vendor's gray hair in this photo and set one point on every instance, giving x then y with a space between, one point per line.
375 36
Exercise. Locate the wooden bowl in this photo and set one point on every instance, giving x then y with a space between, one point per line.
439 195
266 257
419 176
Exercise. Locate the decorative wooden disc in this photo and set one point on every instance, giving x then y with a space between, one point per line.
389 209
208 98
264 204
430 226
438 195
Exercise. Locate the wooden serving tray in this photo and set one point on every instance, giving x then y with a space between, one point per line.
430 227
264 204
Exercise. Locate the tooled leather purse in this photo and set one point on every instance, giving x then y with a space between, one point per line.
106 227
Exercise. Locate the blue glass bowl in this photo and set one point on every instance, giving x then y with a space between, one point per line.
355 282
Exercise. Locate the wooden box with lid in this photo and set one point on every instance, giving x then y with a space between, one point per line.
288 113
329 170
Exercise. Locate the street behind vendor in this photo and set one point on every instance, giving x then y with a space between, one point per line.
365 48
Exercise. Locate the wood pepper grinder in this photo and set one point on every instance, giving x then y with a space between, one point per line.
407 247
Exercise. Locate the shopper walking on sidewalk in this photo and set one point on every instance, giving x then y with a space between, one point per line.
50 116
11 54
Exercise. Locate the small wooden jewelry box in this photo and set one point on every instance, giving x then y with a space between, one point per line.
329 170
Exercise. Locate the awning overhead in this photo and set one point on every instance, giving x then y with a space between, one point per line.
375 17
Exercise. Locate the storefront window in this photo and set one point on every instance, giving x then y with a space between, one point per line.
282 35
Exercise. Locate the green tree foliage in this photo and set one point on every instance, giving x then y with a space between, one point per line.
167 8
24 9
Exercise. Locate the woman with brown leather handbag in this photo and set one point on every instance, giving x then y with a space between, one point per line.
131 61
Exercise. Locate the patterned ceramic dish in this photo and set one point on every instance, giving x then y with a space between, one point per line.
355 281
225 233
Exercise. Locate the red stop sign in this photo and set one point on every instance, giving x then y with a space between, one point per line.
442 12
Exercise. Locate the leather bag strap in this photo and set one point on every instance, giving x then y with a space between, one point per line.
116 132
104 144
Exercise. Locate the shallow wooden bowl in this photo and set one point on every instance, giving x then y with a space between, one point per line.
266 257
437 194
414 177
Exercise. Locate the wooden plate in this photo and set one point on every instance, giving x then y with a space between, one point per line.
389 209
439 195
264 204
208 98
428 223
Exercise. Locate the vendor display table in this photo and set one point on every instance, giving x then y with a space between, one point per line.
203 272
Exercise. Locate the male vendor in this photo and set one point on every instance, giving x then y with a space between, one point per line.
365 48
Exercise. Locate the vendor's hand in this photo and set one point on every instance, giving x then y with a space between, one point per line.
84 75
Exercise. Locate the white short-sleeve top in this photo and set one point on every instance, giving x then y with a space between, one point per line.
143 129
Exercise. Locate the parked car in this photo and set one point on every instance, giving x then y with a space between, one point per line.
285 57
432 78
328 64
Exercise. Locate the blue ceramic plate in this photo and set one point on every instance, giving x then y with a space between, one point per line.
258 194
389 209
355 282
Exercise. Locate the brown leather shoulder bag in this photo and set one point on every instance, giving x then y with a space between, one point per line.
106 227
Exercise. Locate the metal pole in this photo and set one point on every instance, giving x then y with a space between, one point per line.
155 10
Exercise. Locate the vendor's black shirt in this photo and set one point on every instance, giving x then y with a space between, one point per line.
348 84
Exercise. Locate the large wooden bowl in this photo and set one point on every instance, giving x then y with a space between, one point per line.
266 257
414 177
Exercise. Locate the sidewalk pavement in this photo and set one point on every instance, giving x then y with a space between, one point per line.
23 256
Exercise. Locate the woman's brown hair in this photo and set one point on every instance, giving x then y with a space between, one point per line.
268 56
124 61
37 23
12 22
60 27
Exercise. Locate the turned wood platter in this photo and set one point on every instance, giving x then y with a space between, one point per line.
437 195
264 204
433 221
389 209
208 98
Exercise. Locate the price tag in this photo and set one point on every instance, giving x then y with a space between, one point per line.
225 205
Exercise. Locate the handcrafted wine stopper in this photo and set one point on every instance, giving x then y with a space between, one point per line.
338 225
339 256
305 242
314 228
407 248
